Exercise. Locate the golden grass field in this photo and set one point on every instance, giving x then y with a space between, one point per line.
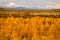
29 28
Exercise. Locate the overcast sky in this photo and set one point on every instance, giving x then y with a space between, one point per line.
42 4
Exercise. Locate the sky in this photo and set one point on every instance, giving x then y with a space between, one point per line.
39 4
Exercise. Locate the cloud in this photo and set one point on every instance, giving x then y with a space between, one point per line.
12 4
53 5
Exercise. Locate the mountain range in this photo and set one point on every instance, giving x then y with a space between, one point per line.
22 8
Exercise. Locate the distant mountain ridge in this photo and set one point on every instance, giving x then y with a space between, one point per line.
22 8
17 8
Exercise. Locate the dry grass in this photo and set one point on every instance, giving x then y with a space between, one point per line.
34 28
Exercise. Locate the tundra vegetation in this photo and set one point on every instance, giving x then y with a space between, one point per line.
29 25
